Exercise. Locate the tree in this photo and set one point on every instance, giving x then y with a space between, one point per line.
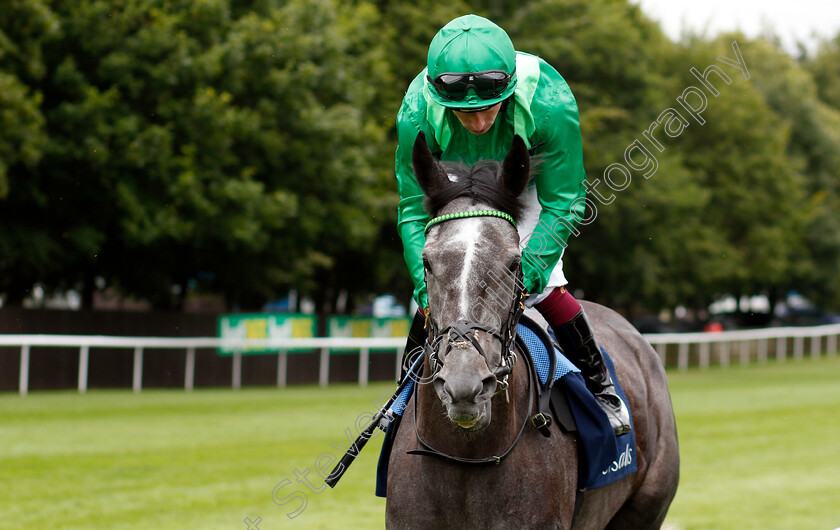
807 96
759 200
23 251
190 143
824 67
246 148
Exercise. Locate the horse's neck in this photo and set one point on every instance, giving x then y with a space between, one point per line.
506 420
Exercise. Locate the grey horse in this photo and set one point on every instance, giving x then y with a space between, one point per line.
461 413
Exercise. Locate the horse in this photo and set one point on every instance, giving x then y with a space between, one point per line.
473 401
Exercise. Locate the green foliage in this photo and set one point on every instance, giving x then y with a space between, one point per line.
21 62
184 141
813 150
817 126
824 66
758 195
606 49
245 148
410 27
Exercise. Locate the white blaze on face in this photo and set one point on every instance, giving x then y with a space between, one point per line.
468 235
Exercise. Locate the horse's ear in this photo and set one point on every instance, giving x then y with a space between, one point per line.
430 175
516 169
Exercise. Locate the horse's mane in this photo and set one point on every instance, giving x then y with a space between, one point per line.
481 182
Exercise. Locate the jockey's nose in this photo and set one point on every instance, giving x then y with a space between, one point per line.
479 122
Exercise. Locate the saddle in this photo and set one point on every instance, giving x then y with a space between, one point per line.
603 457
562 398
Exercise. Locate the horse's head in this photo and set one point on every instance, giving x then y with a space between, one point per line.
473 276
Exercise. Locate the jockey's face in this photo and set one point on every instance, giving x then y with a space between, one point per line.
478 122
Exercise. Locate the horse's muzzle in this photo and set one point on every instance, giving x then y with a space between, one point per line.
466 399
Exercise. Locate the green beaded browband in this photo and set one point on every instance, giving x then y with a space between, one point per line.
464 215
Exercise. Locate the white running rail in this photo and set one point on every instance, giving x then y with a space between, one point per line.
750 344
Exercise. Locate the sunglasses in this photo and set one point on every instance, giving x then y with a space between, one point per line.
487 85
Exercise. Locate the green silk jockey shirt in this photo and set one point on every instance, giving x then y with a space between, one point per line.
544 113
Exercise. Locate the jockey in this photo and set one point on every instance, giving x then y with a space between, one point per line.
475 94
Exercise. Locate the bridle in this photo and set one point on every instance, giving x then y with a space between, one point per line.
461 334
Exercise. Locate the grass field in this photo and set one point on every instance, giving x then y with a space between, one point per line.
760 450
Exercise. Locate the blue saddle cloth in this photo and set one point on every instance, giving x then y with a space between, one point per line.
603 457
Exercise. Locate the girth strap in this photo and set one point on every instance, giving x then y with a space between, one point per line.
542 420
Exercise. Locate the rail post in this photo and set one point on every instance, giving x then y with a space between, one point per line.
682 359
282 366
137 380
704 355
236 377
23 380
364 359
189 370
781 349
83 368
324 368
816 342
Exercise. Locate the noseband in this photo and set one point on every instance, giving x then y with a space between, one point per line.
461 334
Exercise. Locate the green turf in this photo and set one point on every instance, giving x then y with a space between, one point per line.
759 449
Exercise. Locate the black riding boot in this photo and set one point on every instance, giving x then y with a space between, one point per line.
578 343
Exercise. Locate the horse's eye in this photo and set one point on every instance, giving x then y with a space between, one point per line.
515 265
427 265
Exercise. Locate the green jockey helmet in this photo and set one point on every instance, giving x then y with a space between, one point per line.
471 44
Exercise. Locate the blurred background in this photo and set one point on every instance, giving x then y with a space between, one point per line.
215 156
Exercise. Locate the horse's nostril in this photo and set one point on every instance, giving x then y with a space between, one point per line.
488 386
450 393
442 390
